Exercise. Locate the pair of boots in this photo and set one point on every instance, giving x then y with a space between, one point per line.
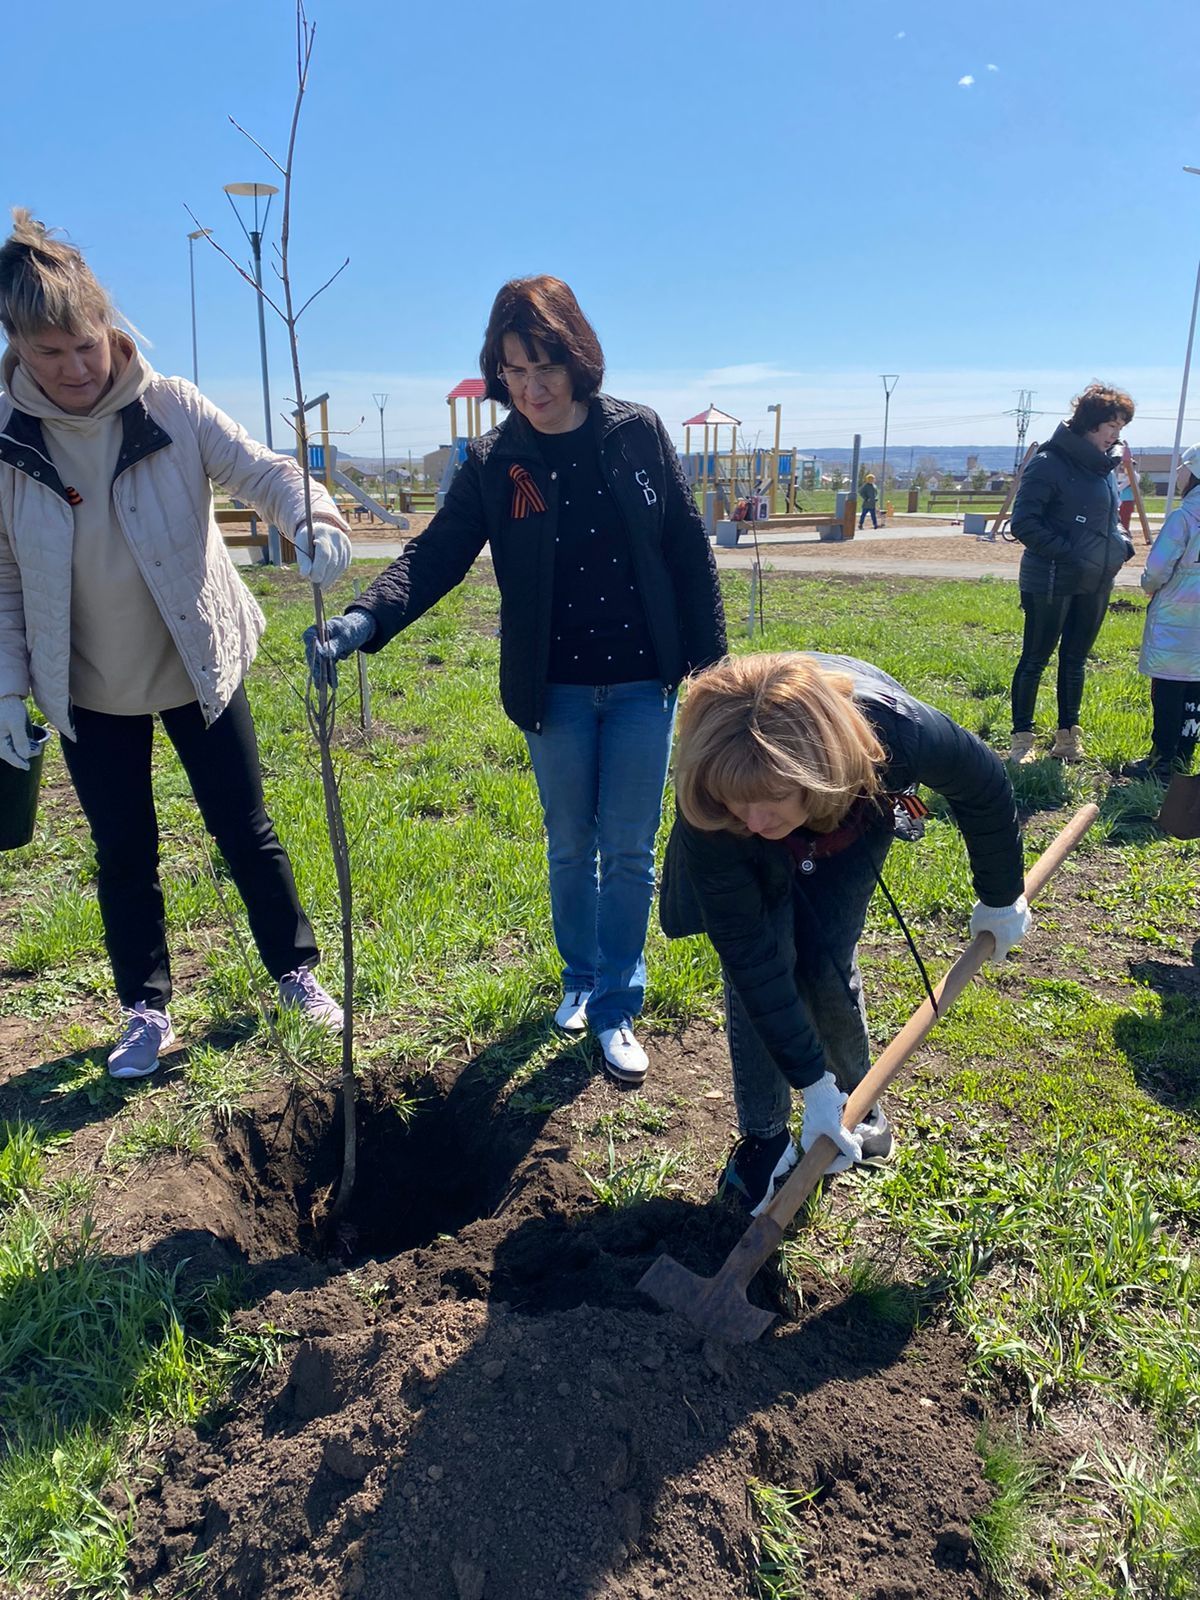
1067 746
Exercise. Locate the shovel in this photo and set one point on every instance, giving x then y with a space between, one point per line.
718 1305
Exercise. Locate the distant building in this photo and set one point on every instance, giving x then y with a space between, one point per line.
1157 464
435 463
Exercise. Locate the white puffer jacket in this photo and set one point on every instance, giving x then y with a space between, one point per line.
1171 640
176 445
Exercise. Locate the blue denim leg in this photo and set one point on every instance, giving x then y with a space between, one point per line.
600 762
822 926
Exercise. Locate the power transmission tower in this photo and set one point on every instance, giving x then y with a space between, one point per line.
1022 414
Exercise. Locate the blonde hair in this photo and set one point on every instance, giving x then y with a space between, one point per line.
773 727
45 283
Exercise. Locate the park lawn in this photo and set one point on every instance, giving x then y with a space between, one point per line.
1045 1201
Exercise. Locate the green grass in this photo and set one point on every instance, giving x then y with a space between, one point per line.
1046 1192
781 1540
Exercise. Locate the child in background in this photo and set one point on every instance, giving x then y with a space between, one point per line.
1170 655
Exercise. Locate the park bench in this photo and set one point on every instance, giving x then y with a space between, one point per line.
958 496
232 519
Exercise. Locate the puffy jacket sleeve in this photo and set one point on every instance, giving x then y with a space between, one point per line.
1037 501
272 484
14 651
1167 551
433 563
927 747
725 878
689 560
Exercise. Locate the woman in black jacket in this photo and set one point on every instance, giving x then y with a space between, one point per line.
608 598
1066 515
793 773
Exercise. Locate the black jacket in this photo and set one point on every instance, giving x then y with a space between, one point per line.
724 885
672 560
1065 515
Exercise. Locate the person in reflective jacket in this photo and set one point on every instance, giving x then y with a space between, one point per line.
793 774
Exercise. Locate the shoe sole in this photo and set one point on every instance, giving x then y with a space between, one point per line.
571 1027
623 1075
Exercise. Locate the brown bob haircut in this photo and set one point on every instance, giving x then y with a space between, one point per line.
542 310
1099 403
772 727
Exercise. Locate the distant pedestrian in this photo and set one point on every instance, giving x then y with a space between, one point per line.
1170 654
870 499
608 597
1065 514
1125 492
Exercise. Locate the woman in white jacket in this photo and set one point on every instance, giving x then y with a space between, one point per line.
1170 655
119 603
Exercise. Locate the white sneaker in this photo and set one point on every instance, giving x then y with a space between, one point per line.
572 1014
623 1055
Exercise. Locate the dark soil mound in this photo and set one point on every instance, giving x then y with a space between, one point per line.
484 1406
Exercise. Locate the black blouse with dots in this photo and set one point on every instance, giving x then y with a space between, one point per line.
598 628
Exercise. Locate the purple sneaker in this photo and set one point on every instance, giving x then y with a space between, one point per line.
146 1032
300 991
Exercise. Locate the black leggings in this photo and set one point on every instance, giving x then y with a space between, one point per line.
1176 708
1070 622
109 764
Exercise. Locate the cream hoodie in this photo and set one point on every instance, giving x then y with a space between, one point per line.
123 659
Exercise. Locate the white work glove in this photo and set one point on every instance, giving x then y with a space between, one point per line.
330 556
16 746
823 1106
1008 925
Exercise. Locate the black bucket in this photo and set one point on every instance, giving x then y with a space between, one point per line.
19 794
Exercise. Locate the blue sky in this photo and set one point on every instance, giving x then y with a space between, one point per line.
755 203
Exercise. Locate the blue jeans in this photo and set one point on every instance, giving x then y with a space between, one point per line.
818 926
601 762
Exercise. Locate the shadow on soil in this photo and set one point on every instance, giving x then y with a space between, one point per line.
1164 1051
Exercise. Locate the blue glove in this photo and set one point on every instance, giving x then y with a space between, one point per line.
343 636
330 555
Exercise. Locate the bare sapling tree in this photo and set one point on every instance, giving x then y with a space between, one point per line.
320 694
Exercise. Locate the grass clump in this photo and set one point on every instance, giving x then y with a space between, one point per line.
782 1541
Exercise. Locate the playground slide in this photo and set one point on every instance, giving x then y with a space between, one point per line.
373 506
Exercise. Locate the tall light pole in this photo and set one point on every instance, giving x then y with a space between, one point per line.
256 191
778 410
381 400
890 380
199 233
1187 364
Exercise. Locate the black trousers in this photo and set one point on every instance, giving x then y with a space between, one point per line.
109 764
1176 711
1070 622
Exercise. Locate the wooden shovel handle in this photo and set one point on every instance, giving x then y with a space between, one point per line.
816 1161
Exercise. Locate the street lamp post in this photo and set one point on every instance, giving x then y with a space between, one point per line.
255 235
1187 364
778 410
890 380
381 400
199 233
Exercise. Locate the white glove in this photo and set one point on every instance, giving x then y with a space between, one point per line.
823 1106
16 746
330 556
1008 925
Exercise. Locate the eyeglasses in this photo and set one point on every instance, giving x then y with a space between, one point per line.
548 375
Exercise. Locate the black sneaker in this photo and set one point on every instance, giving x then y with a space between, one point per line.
755 1169
878 1146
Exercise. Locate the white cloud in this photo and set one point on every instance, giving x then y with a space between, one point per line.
992 67
966 81
901 36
